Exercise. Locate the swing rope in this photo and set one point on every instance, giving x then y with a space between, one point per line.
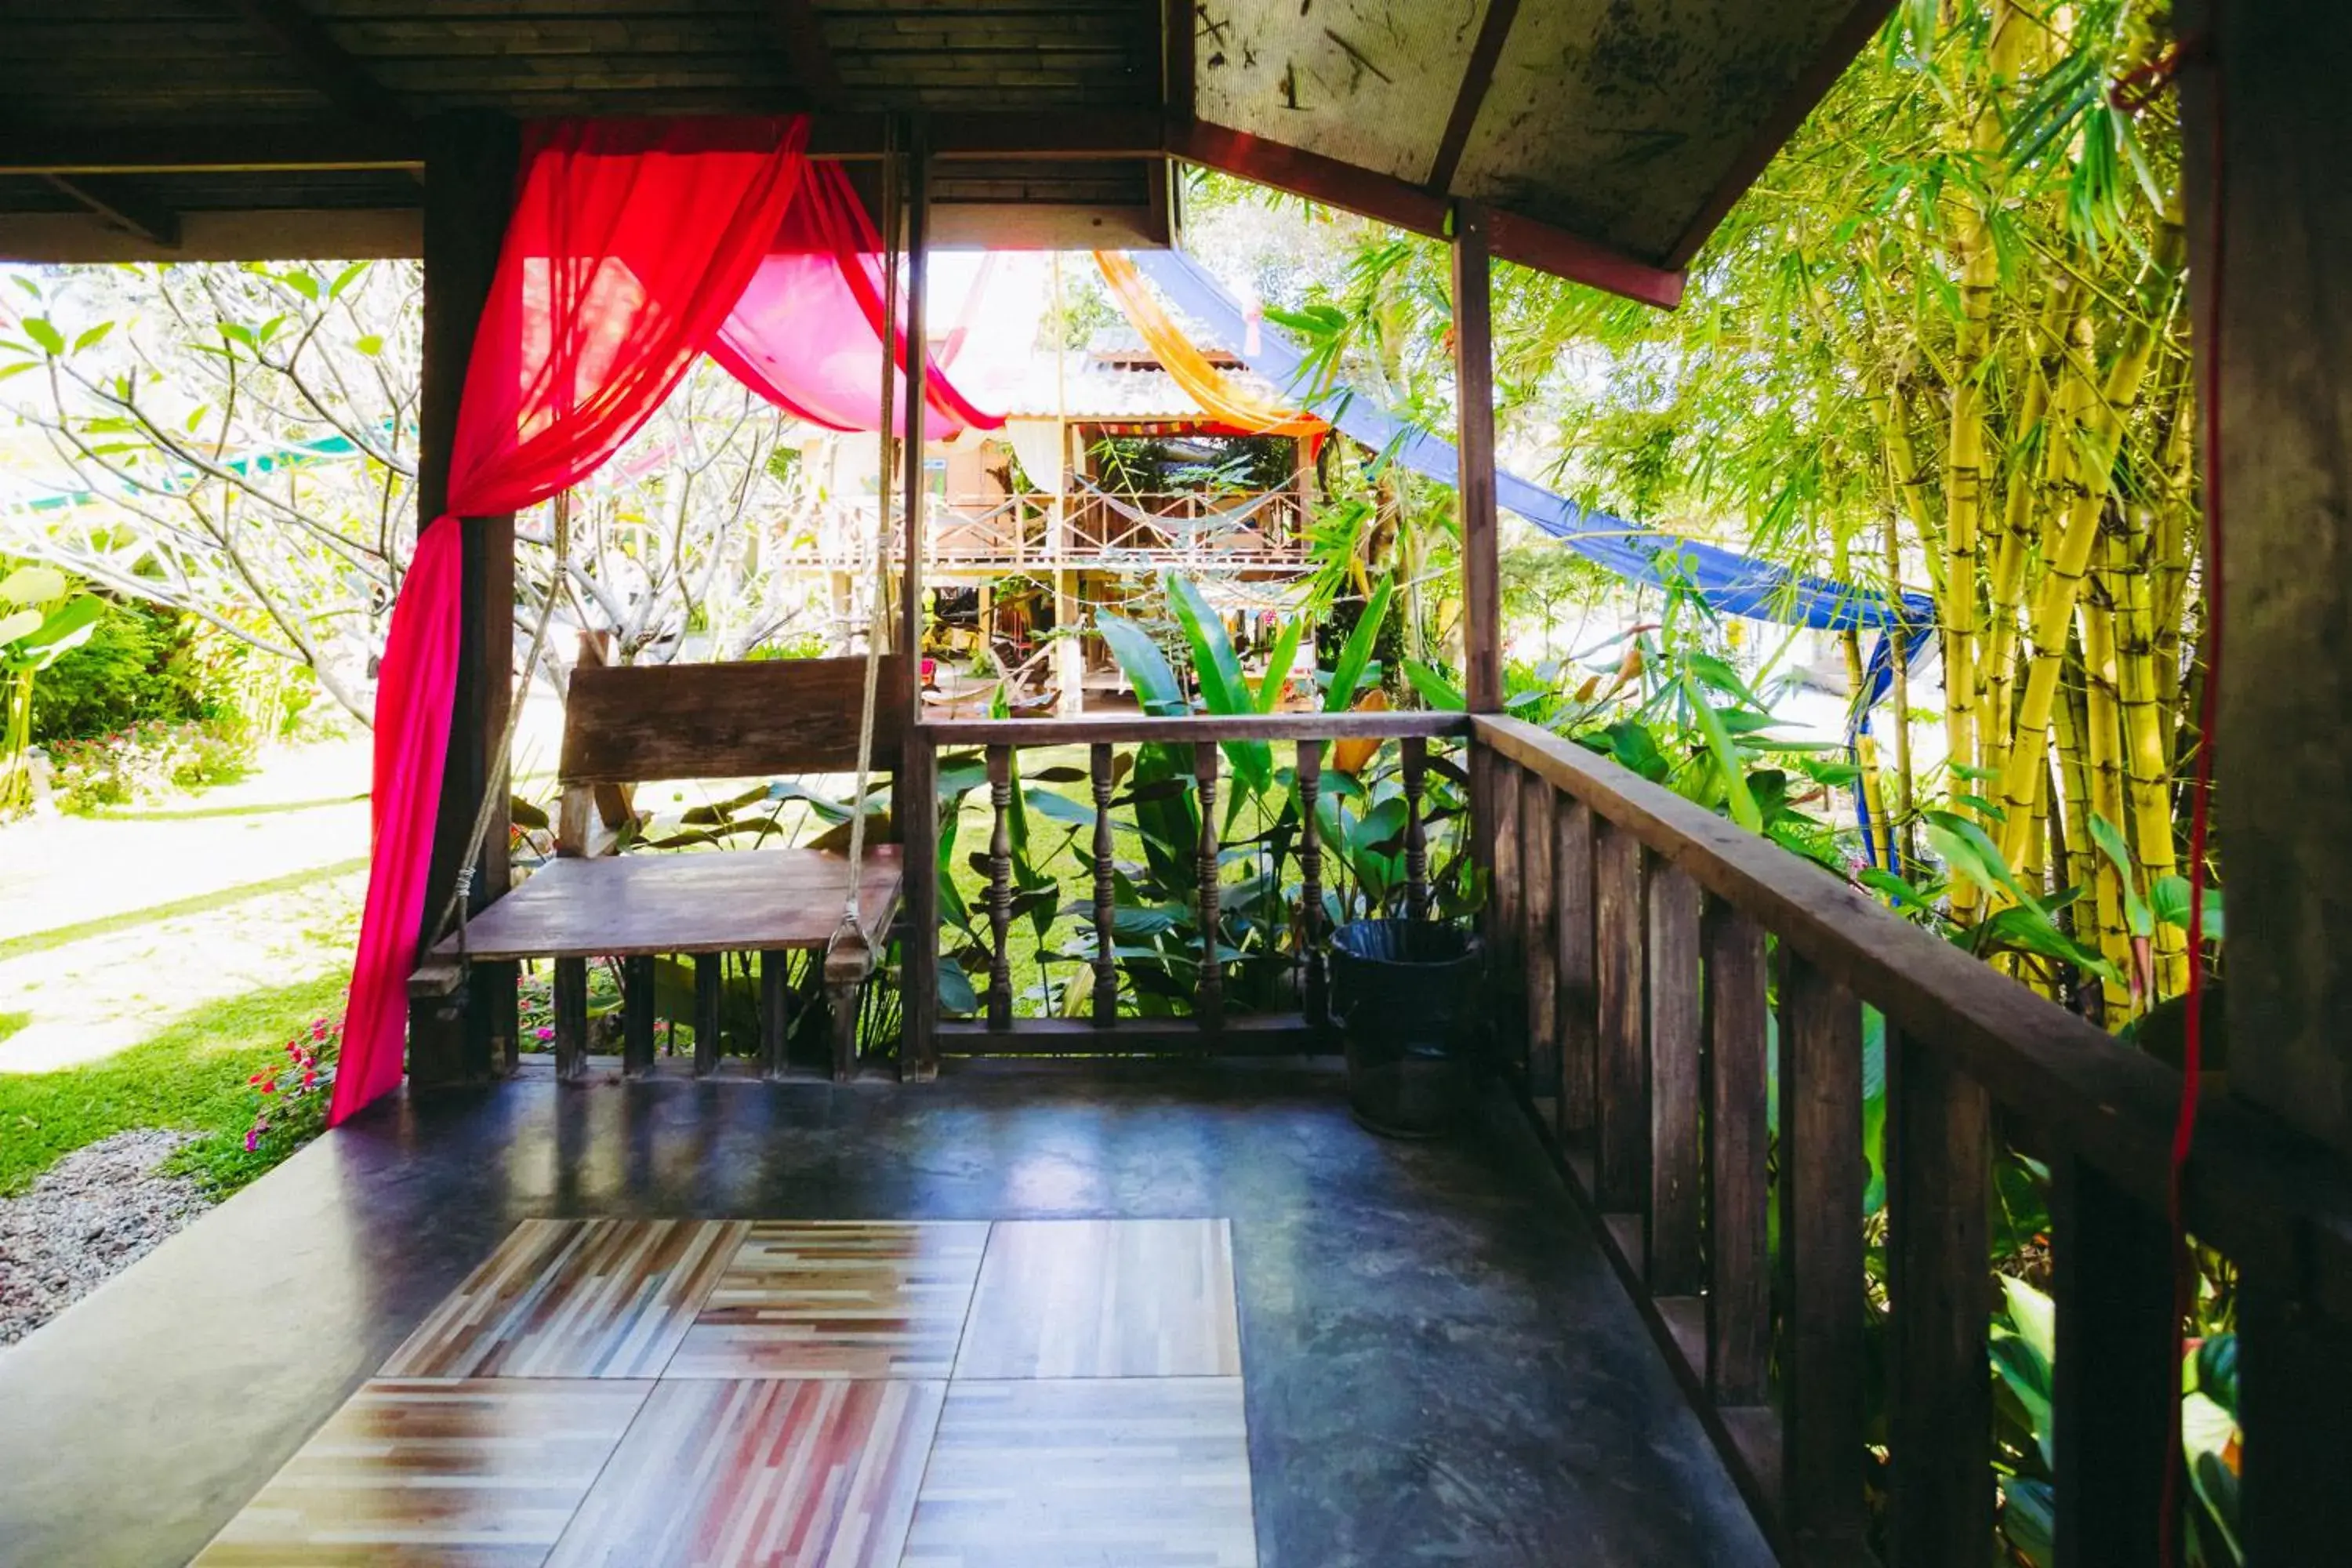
461 891
851 932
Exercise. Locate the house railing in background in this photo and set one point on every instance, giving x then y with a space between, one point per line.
1180 529
1644 940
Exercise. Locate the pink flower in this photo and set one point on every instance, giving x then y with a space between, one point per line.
252 1139
544 1033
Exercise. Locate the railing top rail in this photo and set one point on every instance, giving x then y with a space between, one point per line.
2253 1184
1124 730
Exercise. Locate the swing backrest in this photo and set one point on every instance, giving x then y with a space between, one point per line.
625 725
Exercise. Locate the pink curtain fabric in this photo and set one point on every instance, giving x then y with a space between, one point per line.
631 240
806 334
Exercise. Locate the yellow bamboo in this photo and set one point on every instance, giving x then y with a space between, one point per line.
1881 833
2005 592
1965 456
2085 479
2102 741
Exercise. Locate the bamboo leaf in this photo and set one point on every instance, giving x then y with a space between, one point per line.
1278 663
1356 654
1435 690
1728 762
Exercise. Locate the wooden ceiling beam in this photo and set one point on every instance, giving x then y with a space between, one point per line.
1076 135
1514 237
1477 77
134 215
807 55
332 71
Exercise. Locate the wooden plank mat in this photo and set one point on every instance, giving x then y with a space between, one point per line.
818 1299
468 1473
1104 1298
765 1472
1140 1473
597 1298
623 905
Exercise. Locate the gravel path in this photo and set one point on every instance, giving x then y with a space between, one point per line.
96 1211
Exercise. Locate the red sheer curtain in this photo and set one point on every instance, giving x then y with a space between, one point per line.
806 334
631 241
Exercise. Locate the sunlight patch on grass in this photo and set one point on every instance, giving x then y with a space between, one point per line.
60 936
192 1076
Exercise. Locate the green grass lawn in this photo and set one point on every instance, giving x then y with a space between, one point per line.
192 1077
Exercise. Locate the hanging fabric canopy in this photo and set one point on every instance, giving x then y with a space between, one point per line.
633 243
1213 389
806 332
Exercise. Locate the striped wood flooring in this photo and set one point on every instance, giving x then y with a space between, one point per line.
668 1394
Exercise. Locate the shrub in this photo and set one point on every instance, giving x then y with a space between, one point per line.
134 668
144 761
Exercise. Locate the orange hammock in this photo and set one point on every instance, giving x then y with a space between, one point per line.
1207 385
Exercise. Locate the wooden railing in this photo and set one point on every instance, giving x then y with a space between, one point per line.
1178 528
1644 937
1212 1027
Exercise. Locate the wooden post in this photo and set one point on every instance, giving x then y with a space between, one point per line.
568 995
1316 981
1539 946
709 995
1106 1000
2270 78
1000 887
1675 1266
637 1015
1210 1004
1822 1167
1621 1168
1740 1283
469 173
1415 750
1939 1404
1474 413
775 1012
916 785
2286 474
2118 1396
1578 1007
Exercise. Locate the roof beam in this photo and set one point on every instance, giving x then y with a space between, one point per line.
1513 236
136 215
332 69
1180 26
1477 77
806 53
1860 25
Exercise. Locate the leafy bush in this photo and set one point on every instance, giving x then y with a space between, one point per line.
146 760
134 667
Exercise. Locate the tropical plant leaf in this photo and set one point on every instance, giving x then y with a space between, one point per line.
1738 797
1439 692
1356 654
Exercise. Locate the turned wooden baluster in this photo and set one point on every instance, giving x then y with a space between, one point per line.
1105 967
1000 887
1416 833
1310 884
1211 1003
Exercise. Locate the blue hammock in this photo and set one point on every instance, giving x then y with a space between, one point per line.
1732 584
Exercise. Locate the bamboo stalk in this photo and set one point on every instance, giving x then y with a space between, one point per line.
2085 486
2103 745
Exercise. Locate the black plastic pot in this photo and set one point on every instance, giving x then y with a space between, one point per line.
1407 995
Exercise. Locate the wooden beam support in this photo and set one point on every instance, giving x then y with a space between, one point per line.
1076 135
1512 237
1473 414
1179 29
134 213
468 194
806 51
329 69
1477 77
915 789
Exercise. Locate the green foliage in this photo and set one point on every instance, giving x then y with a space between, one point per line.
193 1074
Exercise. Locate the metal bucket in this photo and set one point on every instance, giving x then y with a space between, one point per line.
1406 992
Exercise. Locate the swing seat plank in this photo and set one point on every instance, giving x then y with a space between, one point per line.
733 901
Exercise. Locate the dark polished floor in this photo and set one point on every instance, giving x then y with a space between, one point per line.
1441 1366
